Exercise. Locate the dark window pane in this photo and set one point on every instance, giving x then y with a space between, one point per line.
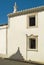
31 21
32 43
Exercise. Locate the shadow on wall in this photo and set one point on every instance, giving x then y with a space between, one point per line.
17 55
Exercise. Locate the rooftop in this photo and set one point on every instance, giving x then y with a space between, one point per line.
31 10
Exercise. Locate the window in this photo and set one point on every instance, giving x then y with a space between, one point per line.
32 42
32 20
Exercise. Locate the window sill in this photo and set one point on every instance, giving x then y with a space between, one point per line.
32 50
32 27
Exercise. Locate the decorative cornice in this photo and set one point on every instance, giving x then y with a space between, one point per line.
32 35
27 11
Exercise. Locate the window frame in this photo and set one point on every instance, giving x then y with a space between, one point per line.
33 37
30 22
30 43
36 20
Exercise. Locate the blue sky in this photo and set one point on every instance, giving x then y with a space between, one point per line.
6 7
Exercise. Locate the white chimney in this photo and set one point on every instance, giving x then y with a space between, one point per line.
15 8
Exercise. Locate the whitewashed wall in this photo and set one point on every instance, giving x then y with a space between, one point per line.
17 37
37 55
2 40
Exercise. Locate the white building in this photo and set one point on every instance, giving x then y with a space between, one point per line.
24 33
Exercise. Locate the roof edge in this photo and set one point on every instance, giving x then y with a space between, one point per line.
3 24
31 10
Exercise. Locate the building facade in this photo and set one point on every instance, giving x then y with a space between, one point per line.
25 31
3 40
